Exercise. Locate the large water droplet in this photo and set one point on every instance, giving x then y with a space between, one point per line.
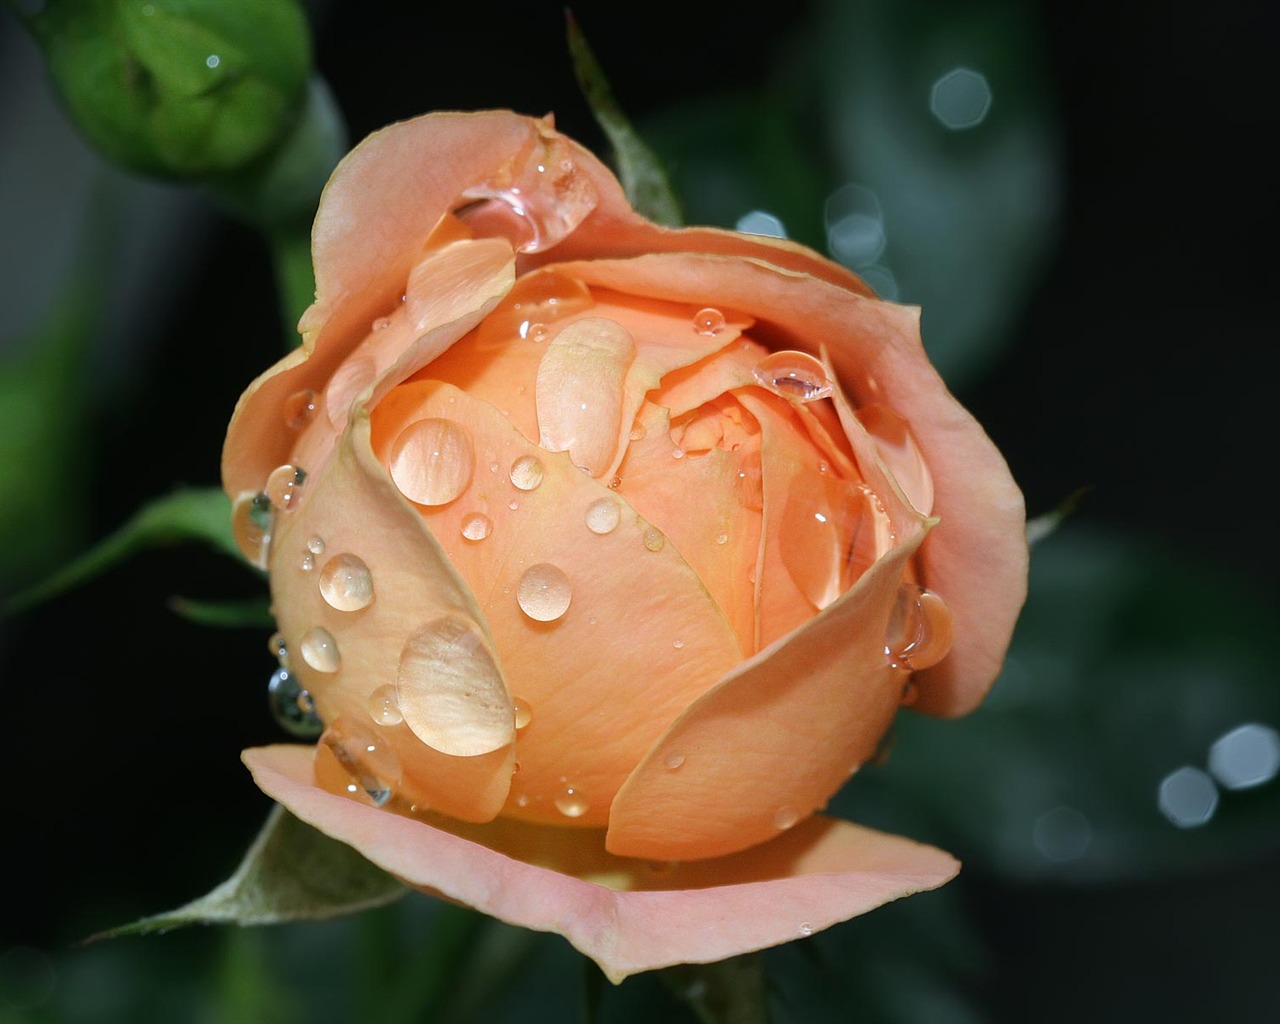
384 708
432 460
476 526
283 486
291 705
251 527
526 472
367 757
709 321
536 200
544 592
320 650
299 409
346 583
603 516
571 803
796 376
919 631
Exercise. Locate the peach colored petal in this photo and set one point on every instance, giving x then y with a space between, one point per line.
567 663
351 507
977 560
820 873
775 739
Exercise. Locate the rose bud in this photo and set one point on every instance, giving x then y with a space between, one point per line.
603 554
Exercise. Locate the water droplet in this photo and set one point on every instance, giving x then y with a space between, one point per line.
919 631
299 409
476 526
536 200
522 800
654 540
805 929
432 460
709 321
526 472
677 643
251 527
381 324
603 516
320 650
283 486
673 761
785 818
722 538
513 505
571 803
367 757
677 453
615 483
291 705
276 646
384 707
544 592
637 434
523 711
533 330
797 376
316 546
308 562
346 583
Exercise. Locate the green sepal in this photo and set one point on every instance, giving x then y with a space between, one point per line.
252 613
202 514
292 872
643 177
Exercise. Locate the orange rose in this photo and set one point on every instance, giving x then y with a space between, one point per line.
599 551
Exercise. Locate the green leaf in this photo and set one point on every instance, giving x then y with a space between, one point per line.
252 613
190 514
730 991
641 172
292 872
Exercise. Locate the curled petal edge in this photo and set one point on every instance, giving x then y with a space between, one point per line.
820 873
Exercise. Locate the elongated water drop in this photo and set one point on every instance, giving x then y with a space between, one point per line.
523 712
796 376
919 631
384 707
320 650
291 705
346 583
367 757
251 527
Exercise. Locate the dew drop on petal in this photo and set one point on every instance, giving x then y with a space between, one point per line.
384 707
316 546
919 630
476 526
284 486
523 712
251 527
308 562
291 705
346 583
571 802
544 592
796 376
805 929
526 472
367 757
654 540
279 650
603 516
299 409
432 460
709 321
320 650
785 818
673 761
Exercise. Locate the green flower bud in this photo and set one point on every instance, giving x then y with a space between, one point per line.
181 89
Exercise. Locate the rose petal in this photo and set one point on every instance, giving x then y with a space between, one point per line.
352 507
566 664
820 873
775 739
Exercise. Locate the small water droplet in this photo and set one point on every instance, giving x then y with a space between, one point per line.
299 409
308 562
432 460
382 323
673 761
603 516
785 818
291 705
654 540
796 376
709 321
919 629
677 643
251 527
278 649
722 538
346 583
637 434
367 757
533 330
677 453
316 546
384 708
476 526
320 650
526 472
544 592
805 929
523 710
615 483
494 467
513 505
571 803
522 800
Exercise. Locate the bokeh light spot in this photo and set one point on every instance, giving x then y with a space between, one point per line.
1062 834
1187 797
960 99
1248 755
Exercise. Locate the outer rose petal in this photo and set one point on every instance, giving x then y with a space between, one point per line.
820 873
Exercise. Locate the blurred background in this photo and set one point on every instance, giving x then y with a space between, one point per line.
1081 199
